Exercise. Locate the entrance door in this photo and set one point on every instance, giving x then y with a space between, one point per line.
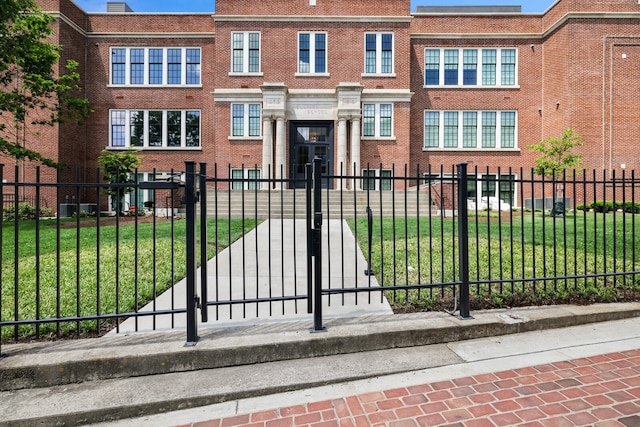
308 141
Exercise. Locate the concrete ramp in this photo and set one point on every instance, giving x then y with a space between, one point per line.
271 261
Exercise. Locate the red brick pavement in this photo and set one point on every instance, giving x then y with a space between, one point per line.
602 391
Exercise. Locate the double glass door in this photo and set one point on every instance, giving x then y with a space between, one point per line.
310 140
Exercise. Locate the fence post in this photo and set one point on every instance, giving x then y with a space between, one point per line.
463 242
317 246
192 298
204 255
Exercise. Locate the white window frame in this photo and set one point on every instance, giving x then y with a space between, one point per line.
377 132
245 54
382 179
312 54
246 121
460 131
145 135
378 72
165 66
246 182
479 67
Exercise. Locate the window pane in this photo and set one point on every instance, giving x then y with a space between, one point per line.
369 120
368 181
488 130
385 119
136 58
253 175
432 67
137 128
254 52
508 67
321 61
470 129
118 123
238 52
155 66
451 67
431 128
238 119
155 128
193 129
304 54
254 119
385 184
470 69
488 66
193 66
174 59
118 70
370 53
451 129
237 177
508 129
174 128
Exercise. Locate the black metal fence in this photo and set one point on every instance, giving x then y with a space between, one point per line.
437 238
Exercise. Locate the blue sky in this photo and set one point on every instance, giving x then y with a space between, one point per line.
208 5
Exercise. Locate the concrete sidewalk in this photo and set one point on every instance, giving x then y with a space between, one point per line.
141 374
270 260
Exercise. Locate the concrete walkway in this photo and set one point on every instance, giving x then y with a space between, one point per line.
271 261
585 375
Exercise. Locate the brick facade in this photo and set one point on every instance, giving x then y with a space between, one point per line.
576 67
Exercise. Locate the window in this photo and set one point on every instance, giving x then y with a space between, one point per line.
155 128
245 52
377 120
245 120
155 66
378 53
377 179
470 129
245 179
312 53
480 67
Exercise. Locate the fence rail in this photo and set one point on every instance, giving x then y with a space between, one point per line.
435 238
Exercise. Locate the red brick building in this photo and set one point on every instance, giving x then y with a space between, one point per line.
263 86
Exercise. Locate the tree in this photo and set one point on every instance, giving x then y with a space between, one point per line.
118 168
556 157
32 92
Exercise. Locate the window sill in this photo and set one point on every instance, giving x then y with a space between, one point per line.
378 75
236 74
312 75
475 150
246 138
154 148
377 138
472 87
148 86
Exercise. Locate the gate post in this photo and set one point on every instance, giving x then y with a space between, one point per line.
317 245
204 256
192 297
463 242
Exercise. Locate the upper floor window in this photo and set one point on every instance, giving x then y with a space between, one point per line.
312 53
378 55
470 67
245 52
470 129
245 120
377 120
154 128
155 66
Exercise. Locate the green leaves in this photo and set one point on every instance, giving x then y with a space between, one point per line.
557 155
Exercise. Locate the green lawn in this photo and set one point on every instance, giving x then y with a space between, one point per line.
504 255
94 273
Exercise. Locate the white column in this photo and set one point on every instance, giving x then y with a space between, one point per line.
341 165
355 151
267 150
281 156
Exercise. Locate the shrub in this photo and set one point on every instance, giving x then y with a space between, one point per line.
25 211
603 206
631 207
